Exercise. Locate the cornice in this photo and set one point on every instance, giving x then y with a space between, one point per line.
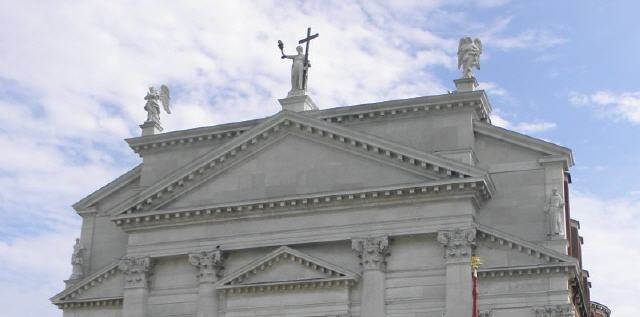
212 163
492 235
498 272
92 302
555 152
475 100
71 293
477 188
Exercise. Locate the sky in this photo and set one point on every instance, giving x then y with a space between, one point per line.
73 76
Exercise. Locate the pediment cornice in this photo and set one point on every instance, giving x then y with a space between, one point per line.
71 293
497 238
212 163
332 275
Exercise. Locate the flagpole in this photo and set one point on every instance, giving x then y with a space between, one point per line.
475 264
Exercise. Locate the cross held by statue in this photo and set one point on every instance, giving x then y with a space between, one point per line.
306 54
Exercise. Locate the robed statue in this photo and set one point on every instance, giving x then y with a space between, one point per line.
77 260
154 98
469 51
300 65
555 210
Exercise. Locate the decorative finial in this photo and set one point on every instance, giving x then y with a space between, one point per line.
154 98
475 262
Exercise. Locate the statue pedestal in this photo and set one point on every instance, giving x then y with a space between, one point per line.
150 128
298 103
466 84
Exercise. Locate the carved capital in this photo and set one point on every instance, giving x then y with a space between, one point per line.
555 311
372 252
137 271
210 265
458 243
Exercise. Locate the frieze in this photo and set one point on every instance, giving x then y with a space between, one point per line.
555 311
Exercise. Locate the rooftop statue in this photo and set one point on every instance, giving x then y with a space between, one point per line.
300 65
469 51
154 98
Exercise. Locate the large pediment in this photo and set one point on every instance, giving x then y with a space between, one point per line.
295 165
287 269
269 132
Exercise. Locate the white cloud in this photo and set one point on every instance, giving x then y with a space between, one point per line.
538 39
625 105
493 89
522 127
610 252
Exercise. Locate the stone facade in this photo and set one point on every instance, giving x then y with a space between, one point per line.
369 210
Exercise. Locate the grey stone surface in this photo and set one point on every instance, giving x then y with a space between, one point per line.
262 218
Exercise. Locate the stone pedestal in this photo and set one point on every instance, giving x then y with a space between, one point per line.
558 245
150 128
458 245
298 103
136 285
466 84
372 252
209 266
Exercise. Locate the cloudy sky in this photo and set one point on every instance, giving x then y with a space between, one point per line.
73 76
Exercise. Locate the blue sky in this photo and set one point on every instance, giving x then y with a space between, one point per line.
73 77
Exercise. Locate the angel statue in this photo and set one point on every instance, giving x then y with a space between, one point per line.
469 51
154 98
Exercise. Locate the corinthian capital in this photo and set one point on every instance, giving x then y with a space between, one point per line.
209 263
458 243
554 311
372 252
136 270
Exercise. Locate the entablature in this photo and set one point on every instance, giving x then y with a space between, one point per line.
478 189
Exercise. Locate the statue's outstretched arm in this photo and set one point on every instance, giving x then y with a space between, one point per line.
289 56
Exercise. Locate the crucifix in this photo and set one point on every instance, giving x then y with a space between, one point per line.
300 65
306 54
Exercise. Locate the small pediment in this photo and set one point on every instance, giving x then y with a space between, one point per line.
287 269
104 287
501 252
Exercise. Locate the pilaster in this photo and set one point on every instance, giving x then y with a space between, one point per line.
458 247
372 253
136 285
210 266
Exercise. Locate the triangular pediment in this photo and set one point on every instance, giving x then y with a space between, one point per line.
286 268
501 250
104 286
269 132
296 165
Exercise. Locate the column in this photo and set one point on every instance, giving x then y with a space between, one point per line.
372 253
458 247
136 285
209 266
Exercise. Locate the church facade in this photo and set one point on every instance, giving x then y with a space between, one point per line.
369 210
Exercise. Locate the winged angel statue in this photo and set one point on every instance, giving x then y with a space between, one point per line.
154 98
469 51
